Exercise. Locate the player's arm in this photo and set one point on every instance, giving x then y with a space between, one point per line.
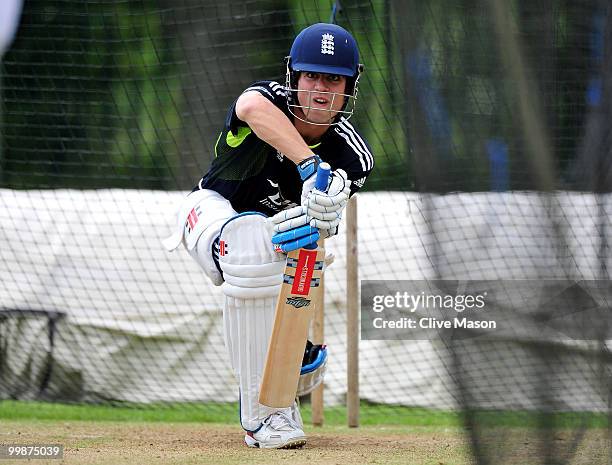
272 126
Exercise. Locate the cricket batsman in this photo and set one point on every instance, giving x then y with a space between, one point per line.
257 202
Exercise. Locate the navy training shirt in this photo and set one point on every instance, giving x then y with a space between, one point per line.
254 176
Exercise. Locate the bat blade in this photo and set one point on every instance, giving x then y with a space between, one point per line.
299 294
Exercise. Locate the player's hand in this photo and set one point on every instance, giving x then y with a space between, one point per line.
308 169
295 222
289 219
291 230
325 208
295 238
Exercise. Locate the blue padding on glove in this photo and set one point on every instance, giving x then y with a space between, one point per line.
321 356
308 167
296 238
293 234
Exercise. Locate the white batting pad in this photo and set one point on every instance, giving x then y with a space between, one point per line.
200 218
251 267
247 326
196 213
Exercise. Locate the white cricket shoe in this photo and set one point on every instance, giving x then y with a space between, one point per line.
278 431
296 415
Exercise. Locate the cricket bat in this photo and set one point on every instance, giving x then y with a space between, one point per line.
295 306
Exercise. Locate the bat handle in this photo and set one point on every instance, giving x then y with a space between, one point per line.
323 173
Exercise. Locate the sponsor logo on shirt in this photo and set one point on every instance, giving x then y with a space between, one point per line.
276 201
359 182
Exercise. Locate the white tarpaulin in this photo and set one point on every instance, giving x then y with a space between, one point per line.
145 325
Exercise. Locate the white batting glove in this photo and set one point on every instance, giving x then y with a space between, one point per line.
336 183
292 231
294 218
307 188
289 219
325 208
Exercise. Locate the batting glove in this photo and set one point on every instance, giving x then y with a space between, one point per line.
292 231
325 208
308 167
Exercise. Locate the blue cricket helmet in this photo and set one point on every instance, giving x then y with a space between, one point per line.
325 48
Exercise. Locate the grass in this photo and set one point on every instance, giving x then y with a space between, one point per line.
179 413
334 416
199 434
212 413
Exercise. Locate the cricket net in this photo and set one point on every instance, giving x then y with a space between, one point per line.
488 121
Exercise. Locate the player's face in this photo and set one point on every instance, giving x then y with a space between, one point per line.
320 96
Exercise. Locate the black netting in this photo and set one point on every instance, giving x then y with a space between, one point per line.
489 122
